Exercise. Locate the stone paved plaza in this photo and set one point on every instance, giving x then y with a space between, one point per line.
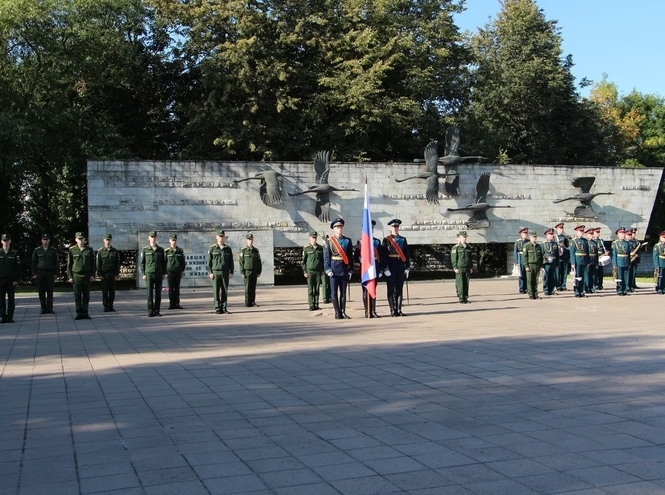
502 396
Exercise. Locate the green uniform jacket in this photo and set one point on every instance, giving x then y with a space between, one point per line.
220 259
45 259
533 254
153 261
108 261
80 261
250 261
175 260
10 265
312 258
460 257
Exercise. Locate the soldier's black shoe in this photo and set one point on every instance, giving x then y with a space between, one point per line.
3 320
218 311
111 309
338 316
106 310
10 320
345 316
327 301
462 301
317 307
247 305
151 314
51 312
157 313
86 317
44 311
254 305
531 296
312 308
177 306
78 317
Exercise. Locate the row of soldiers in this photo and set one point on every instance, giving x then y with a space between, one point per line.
157 264
82 265
585 255
336 258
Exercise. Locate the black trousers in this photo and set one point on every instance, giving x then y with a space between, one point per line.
153 284
174 288
108 290
7 291
45 287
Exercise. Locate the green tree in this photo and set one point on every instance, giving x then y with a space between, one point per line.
281 79
81 79
524 99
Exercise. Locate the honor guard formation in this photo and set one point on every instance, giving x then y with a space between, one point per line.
328 268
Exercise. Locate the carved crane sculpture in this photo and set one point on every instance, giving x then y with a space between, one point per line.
269 190
431 175
584 209
451 159
322 188
479 209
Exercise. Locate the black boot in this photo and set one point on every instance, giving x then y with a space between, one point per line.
368 313
342 307
398 307
391 305
336 307
372 304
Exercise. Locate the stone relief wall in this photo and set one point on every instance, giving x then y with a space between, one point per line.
129 198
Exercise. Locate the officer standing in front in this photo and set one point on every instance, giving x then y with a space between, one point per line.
45 267
579 255
518 256
398 264
461 261
602 250
153 268
220 270
659 264
634 259
550 263
250 268
325 280
533 262
10 275
621 261
312 267
108 269
563 269
338 264
81 272
175 270
592 268
379 265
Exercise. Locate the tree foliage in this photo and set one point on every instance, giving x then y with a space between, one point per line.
81 79
281 79
524 99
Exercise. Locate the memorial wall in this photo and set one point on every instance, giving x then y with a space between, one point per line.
194 198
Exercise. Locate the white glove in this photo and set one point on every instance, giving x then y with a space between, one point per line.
379 275
386 272
329 273
350 275
406 273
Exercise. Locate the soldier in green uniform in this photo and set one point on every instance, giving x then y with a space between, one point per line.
45 267
80 272
518 256
220 269
175 270
250 268
460 259
312 267
153 268
10 274
108 269
533 262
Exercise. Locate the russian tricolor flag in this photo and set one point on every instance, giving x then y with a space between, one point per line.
367 265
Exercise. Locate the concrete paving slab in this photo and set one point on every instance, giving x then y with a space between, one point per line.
502 396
